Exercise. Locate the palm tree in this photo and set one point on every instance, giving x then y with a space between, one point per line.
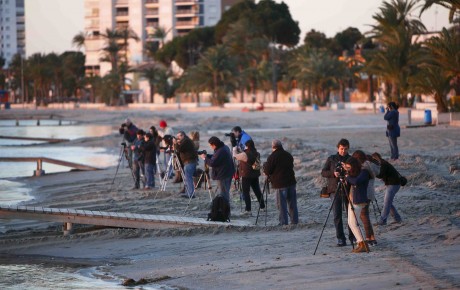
395 56
452 5
152 72
217 69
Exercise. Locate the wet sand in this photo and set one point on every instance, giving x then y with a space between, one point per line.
421 253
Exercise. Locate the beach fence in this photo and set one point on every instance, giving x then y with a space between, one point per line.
40 160
110 219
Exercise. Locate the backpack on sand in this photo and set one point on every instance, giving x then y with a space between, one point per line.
220 210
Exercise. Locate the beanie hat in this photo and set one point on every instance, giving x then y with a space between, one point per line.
163 124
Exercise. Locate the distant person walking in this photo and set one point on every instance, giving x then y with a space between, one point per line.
393 129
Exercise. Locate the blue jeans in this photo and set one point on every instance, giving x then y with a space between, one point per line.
138 168
224 186
388 207
189 171
394 147
287 197
149 175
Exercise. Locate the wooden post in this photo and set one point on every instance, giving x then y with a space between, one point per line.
38 122
409 116
17 122
39 171
67 228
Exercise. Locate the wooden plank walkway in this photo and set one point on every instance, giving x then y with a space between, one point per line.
110 219
49 140
40 160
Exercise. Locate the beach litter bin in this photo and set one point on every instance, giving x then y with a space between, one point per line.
7 106
427 117
315 107
382 109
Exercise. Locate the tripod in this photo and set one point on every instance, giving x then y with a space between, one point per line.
341 189
123 152
172 163
265 191
207 183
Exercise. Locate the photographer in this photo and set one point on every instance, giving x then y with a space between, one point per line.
393 130
128 130
138 158
238 137
280 170
390 177
165 132
359 180
249 175
187 153
373 170
222 165
329 171
150 158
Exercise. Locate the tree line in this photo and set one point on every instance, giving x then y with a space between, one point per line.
255 47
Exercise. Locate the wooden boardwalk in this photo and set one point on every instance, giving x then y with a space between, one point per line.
40 161
49 140
110 219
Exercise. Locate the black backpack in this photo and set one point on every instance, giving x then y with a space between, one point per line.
220 210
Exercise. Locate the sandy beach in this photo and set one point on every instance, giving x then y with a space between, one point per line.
423 252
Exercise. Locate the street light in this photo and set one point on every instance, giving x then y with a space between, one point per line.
272 46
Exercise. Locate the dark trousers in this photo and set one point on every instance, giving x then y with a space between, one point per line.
367 222
246 185
138 168
339 204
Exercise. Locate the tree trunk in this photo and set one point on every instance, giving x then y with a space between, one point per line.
152 87
441 106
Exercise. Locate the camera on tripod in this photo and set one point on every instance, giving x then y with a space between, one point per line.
122 128
201 152
340 170
231 134
123 144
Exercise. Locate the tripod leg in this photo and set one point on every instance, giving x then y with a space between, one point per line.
325 222
120 158
258 211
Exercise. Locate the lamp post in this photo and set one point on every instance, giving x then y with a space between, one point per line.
274 72
22 77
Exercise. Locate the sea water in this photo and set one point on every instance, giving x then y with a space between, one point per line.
12 192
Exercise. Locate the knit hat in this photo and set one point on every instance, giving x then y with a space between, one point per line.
163 124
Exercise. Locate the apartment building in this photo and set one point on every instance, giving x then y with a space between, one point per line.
178 17
12 29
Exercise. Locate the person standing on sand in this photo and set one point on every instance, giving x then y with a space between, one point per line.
373 170
150 159
393 129
249 174
280 170
138 159
222 166
329 172
359 180
241 137
164 131
390 177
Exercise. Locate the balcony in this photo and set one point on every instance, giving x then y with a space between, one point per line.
122 13
121 3
186 1
151 12
186 12
151 1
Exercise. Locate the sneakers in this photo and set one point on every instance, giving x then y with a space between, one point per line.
263 209
380 223
341 243
186 196
246 213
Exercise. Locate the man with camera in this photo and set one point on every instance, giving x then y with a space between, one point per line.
238 138
332 170
280 170
222 166
138 158
185 147
128 130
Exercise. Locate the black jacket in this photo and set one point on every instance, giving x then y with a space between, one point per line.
388 174
280 169
246 167
187 151
329 168
150 152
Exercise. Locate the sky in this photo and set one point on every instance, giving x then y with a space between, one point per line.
51 24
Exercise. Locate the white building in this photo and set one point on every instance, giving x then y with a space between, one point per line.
144 17
12 29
